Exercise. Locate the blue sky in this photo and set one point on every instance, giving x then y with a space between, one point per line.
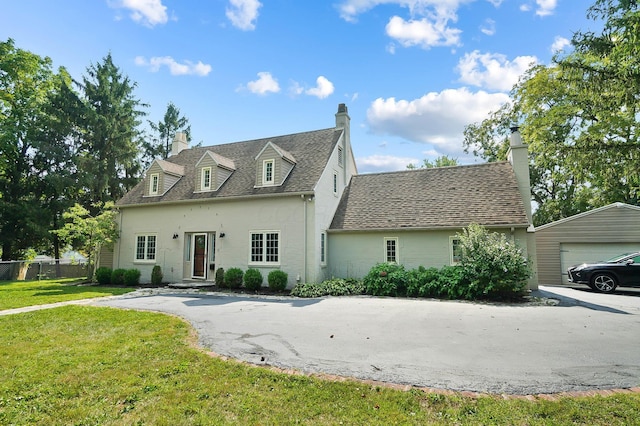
413 73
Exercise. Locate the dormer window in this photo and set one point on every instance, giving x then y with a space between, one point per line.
212 171
206 178
267 172
273 165
154 184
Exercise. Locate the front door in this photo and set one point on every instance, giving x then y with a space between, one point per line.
199 256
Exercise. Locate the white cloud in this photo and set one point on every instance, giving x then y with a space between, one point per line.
524 7
559 43
323 88
546 7
496 3
146 12
492 70
437 118
489 27
264 84
384 163
423 32
427 26
243 13
175 68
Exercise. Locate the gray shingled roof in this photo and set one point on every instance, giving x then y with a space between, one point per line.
445 197
311 150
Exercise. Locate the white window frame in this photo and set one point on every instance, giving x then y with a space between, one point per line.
154 180
452 244
396 248
264 249
323 248
203 185
265 180
149 254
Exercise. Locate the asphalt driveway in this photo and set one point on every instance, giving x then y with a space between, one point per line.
581 341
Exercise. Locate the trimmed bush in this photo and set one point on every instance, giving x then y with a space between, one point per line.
233 278
277 280
253 279
103 275
220 277
132 277
386 279
156 275
493 266
117 276
333 287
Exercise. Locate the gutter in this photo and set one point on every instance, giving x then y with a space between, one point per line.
216 199
425 228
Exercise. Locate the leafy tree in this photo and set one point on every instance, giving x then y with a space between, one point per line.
33 149
579 117
442 161
159 145
89 233
109 133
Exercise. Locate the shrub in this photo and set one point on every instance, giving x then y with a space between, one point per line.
386 279
117 276
103 275
220 277
156 275
422 282
493 266
333 287
233 278
253 279
131 277
277 280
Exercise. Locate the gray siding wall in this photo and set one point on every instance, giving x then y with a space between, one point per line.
269 154
168 181
221 176
155 168
612 225
207 161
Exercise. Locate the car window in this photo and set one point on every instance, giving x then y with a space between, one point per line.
636 259
617 258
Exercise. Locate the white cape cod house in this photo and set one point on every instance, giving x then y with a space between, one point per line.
296 203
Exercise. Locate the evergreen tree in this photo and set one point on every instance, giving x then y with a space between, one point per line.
159 145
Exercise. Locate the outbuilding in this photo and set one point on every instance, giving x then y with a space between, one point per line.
595 235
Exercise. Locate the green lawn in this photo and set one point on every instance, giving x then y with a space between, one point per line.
90 365
17 294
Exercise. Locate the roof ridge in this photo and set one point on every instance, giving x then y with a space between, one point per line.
266 138
431 169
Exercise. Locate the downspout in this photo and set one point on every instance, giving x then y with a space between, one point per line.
120 240
304 241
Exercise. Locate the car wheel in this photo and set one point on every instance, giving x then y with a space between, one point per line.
603 283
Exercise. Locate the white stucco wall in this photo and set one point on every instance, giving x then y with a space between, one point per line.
351 254
235 218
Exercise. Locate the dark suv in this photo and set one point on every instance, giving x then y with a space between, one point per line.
622 270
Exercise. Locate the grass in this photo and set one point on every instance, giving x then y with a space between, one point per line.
18 294
89 365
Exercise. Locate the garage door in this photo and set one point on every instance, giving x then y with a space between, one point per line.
576 253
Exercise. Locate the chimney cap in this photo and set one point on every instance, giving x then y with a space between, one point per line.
342 108
514 128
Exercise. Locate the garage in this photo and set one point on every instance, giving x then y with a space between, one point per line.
576 253
598 234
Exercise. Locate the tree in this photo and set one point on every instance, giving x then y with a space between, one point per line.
159 145
109 133
442 161
579 117
89 233
31 158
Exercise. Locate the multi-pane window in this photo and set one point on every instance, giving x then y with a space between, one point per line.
153 184
206 178
323 248
146 247
267 172
391 250
265 247
335 183
456 251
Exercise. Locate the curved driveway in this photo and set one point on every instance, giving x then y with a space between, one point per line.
583 341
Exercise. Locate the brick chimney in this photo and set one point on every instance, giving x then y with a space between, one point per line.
518 156
179 143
